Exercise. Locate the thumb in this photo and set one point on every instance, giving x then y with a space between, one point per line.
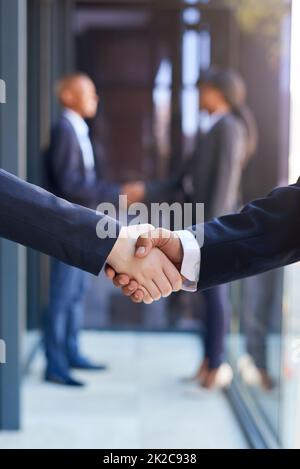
143 245
148 241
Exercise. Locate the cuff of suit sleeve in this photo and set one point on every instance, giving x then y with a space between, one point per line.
190 267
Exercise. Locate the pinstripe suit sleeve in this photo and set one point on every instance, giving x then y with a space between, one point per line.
264 236
36 218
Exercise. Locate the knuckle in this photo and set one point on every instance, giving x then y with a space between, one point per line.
177 282
126 291
148 300
167 291
136 299
156 295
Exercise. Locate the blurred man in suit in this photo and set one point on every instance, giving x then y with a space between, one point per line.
72 173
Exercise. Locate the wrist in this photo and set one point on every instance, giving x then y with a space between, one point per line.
179 248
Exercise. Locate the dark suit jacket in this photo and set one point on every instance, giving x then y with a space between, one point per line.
264 236
214 170
66 175
35 218
217 165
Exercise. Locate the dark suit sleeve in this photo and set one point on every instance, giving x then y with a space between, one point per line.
264 236
35 218
65 166
171 187
163 190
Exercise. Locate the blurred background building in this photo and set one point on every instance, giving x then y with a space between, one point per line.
144 57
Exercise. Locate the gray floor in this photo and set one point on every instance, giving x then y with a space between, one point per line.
138 403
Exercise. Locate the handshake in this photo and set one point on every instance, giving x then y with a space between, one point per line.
146 262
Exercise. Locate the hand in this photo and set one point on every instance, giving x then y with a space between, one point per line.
135 191
152 271
168 242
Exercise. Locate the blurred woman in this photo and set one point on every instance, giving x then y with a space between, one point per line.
223 150
226 141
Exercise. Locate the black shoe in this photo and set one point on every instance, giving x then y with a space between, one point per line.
84 364
64 380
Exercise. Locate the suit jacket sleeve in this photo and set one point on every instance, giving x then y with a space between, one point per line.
163 190
171 187
66 172
264 236
35 218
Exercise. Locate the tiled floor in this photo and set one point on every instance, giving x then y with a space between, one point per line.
139 403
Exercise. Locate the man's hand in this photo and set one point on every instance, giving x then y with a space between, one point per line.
153 273
167 241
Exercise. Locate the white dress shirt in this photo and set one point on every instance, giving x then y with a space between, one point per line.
190 267
208 121
82 133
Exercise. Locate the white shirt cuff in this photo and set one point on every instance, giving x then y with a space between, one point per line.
190 267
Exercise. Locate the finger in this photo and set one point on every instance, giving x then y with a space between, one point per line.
121 280
109 272
163 285
173 276
131 288
138 296
153 291
147 297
